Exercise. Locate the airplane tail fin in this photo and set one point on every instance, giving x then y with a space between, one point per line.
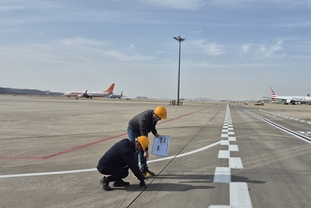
121 93
273 95
110 89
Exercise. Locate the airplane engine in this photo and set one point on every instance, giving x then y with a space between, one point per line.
87 96
293 102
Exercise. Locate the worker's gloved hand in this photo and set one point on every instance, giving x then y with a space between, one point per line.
142 183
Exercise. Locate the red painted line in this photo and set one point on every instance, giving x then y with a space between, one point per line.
167 120
61 152
86 145
82 146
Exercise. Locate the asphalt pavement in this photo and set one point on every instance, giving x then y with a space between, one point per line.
220 154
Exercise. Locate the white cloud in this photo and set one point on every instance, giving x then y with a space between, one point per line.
30 5
84 42
121 56
270 51
299 24
212 49
224 4
176 4
72 38
246 47
215 49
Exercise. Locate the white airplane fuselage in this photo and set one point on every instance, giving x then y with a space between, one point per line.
116 95
79 94
86 94
290 99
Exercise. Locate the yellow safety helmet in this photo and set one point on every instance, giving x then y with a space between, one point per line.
143 141
161 112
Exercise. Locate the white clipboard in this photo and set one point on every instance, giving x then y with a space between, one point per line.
161 145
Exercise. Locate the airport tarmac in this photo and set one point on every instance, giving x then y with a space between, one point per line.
220 155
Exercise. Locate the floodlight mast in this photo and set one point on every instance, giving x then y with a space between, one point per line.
179 39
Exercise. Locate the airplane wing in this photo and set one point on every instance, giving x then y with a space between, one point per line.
85 95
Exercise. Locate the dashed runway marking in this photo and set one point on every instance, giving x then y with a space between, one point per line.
239 194
276 114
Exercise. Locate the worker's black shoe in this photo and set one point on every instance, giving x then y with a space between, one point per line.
105 184
147 173
120 183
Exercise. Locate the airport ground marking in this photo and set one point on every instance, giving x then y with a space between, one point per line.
94 169
289 131
280 115
89 144
61 152
238 191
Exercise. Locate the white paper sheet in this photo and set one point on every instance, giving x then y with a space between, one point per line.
161 145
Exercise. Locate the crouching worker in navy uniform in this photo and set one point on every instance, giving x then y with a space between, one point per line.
119 159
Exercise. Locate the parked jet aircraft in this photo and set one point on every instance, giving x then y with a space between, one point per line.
86 94
290 99
116 95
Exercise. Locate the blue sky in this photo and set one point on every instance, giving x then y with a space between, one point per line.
234 49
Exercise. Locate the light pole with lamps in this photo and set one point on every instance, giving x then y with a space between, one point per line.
179 39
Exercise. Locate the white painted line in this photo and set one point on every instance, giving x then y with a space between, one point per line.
282 128
224 142
235 162
47 173
231 138
222 175
239 195
223 154
224 130
233 148
94 169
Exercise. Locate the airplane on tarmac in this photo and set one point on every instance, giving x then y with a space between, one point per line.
116 95
290 99
89 95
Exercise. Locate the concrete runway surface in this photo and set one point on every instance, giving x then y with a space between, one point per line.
220 155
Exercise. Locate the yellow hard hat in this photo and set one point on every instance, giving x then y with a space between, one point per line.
160 111
143 141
